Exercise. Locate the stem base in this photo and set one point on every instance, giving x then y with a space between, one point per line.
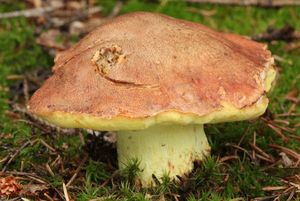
163 149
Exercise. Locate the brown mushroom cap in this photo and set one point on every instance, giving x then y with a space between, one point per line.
140 69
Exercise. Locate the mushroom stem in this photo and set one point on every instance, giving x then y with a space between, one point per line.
161 149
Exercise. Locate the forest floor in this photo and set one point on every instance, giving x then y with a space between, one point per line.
251 160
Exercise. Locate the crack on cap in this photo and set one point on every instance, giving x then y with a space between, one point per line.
107 58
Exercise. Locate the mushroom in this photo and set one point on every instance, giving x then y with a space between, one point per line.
155 81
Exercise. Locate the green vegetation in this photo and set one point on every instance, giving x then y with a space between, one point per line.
213 180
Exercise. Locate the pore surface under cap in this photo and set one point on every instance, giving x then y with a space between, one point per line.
142 68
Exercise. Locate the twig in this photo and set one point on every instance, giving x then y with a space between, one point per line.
81 137
287 129
271 197
17 153
240 148
35 12
282 121
294 137
276 57
278 132
49 170
47 145
291 195
288 115
288 151
48 197
264 158
226 158
77 171
259 150
263 3
254 145
274 188
66 192
297 186
26 90
58 158
243 136
115 173
29 175
116 9
245 131
4 159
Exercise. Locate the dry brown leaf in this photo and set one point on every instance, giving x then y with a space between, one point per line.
287 162
51 39
9 186
33 189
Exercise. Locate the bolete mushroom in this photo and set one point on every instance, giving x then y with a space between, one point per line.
156 80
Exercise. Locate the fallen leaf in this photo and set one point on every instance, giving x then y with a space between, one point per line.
53 38
33 189
287 162
9 186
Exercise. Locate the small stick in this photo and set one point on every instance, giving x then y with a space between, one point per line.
259 150
47 145
226 158
58 158
116 9
288 115
245 131
48 197
294 137
274 188
4 159
254 145
66 192
291 196
292 108
81 137
26 90
267 198
77 171
264 158
240 148
297 186
243 136
287 129
15 77
288 151
278 132
49 170
115 173
35 12
29 175
17 153
282 121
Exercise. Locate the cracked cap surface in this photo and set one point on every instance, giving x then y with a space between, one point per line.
140 69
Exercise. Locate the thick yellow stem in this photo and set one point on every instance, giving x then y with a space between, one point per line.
163 149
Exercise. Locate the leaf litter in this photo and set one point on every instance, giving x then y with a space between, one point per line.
57 30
